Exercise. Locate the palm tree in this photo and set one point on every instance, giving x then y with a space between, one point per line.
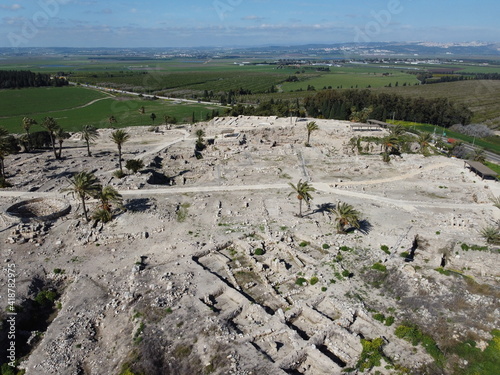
491 234
51 125
496 201
61 135
89 134
478 155
153 117
424 140
345 215
108 195
120 137
311 127
397 130
84 185
112 120
303 190
27 124
200 146
391 143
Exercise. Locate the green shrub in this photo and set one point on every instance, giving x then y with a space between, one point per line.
466 247
259 251
371 355
379 317
326 246
138 333
415 336
389 321
119 174
182 212
134 165
324 289
45 297
338 276
314 280
379 267
301 281
405 254
346 248
7 370
303 244
385 249
346 273
442 271
58 271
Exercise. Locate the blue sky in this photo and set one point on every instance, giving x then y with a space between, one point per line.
194 23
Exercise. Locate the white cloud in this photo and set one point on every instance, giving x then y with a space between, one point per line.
253 18
13 20
12 7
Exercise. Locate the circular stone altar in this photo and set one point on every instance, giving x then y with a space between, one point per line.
39 209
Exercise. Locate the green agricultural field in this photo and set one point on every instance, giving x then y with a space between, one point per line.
190 80
124 109
349 78
191 77
29 102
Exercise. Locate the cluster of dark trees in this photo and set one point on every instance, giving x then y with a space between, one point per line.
340 104
281 108
17 79
490 76
428 78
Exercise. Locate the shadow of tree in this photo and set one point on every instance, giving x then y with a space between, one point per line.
324 208
365 226
138 205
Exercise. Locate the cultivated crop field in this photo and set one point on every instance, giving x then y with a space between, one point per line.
32 101
195 80
124 109
351 78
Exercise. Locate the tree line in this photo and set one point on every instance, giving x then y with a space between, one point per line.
279 107
428 78
17 79
341 104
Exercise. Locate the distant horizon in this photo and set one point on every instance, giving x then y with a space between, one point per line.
244 23
270 45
